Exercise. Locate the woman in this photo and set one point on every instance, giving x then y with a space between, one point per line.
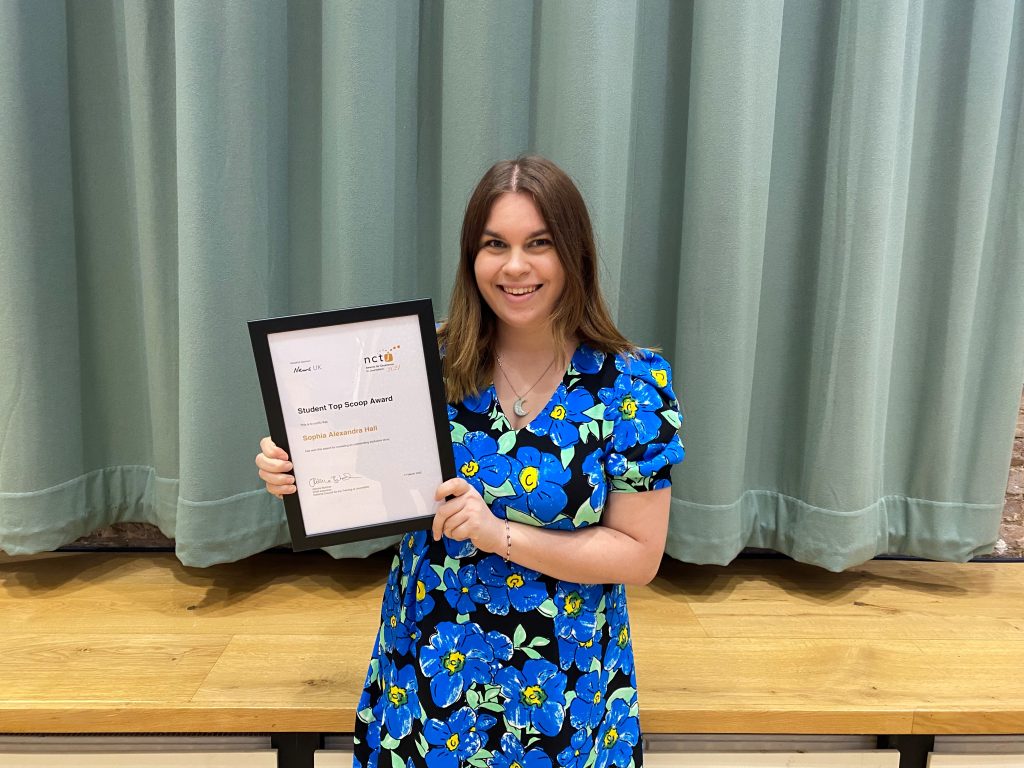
505 636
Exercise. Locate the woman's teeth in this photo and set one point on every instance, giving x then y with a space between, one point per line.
520 291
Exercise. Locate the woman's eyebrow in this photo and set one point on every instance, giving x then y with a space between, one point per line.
538 233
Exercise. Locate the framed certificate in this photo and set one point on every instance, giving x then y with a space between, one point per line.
355 397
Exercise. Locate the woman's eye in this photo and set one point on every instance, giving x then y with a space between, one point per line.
492 244
541 242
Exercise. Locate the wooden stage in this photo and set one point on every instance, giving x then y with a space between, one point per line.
103 643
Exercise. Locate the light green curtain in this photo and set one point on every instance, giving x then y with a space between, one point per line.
814 208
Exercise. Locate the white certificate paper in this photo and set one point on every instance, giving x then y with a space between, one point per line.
357 410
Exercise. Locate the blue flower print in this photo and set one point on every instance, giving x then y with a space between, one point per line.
650 367
452 413
659 455
535 696
514 755
480 402
580 654
587 708
619 653
633 406
478 462
594 470
401 701
587 360
510 584
577 753
458 549
619 733
577 610
396 634
411 547
501 647
427 581
538 482
453 741
456 656
562 416
462 591
373 741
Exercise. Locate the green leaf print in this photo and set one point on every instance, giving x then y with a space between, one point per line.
519 517
472 698
493 706
529 652
491 692
388 742
421 745
396 761
620 693
539 642
365 715
458 434
547 608
567 454
506 489
518 636
672 417
506 442
588 430
596 412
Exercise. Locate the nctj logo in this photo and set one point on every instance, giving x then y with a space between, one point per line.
384 360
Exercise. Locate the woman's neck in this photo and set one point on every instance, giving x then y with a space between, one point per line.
530 348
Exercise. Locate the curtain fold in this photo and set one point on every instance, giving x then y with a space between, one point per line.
814 208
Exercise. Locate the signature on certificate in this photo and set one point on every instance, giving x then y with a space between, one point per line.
332 480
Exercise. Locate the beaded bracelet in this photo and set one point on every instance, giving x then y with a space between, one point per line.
508 542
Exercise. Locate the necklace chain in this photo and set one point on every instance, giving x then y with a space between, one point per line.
520 404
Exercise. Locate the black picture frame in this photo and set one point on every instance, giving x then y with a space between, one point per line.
267 333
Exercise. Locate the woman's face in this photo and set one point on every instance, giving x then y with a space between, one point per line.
517 268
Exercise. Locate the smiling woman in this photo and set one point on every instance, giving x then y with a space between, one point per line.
505 635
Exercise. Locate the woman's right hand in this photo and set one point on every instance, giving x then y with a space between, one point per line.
274 468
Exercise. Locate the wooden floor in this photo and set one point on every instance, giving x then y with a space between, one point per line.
104 642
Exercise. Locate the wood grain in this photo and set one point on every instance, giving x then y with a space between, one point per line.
103 642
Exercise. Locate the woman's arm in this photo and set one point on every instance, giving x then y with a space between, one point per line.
625 548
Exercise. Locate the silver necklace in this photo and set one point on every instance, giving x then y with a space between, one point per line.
520 404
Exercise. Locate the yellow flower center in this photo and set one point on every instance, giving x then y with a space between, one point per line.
515 765
587 644
514 581
597 697
660 376
397 696
454 661
573 604
628 408
465 589
393 622
421 590
470 468
453 742
558 412
528 478
623 637
533 696
610 737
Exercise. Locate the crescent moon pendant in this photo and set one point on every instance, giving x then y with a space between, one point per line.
519 407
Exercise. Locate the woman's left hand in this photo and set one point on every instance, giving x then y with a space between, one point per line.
466 516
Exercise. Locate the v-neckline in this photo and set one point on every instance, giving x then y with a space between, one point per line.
561 382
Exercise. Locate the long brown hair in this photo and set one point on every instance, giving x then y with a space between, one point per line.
469 334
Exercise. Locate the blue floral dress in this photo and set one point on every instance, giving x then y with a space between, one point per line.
483 662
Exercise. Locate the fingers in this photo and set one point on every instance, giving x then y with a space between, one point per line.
273 465
453 487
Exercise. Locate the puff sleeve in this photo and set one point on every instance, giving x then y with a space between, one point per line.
643 443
